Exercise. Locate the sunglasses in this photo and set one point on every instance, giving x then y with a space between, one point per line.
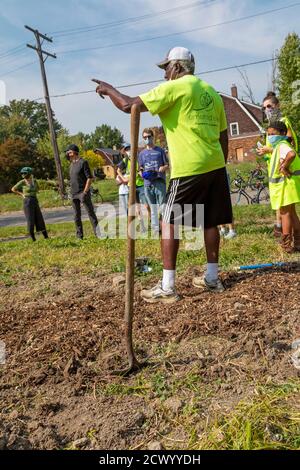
269 106
147 136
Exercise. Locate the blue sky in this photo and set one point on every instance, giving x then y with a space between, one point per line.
246 41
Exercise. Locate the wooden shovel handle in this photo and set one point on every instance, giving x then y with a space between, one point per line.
129 287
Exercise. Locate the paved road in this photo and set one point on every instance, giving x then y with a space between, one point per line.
58 215
65 214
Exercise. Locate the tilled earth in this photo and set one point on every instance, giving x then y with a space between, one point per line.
64 339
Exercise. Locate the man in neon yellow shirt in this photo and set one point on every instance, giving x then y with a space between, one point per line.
194 121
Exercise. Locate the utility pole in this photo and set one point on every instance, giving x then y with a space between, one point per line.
41 53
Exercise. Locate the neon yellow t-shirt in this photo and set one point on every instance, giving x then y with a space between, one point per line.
192 115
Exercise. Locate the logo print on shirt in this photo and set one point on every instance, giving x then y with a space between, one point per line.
205 103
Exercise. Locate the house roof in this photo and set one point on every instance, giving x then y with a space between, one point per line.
249 108
109 152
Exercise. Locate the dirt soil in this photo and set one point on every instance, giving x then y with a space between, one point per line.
64 338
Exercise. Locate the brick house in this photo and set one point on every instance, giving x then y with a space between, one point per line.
111 159
244 126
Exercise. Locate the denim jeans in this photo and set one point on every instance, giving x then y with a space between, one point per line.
123 203
155 195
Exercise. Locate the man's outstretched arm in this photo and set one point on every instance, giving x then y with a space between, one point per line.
122 102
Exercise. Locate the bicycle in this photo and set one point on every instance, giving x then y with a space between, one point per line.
96 196
67 197
255 183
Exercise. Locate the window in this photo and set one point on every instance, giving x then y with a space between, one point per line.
234 128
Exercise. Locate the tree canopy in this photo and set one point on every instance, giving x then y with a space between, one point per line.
288 80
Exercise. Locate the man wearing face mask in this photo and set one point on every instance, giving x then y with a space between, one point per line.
194 121
153 165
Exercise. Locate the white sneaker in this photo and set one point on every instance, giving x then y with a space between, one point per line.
222 232
213 286
157 294
231 234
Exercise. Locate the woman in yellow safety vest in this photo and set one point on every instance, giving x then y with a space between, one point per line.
284 184
271 108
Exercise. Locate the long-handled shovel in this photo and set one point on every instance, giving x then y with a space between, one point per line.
134 365
129 287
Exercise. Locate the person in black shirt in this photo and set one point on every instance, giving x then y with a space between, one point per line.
80 182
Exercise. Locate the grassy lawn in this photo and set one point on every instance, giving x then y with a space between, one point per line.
254 244
265 415
49 198
108 189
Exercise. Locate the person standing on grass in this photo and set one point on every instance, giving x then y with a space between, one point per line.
284 184
28 189
271 108
153 165
194 121
124 167
122 180
80 182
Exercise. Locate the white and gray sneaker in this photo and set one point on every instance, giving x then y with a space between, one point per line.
212 286
157 294
231 234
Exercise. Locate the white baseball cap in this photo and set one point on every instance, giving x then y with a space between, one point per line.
177 53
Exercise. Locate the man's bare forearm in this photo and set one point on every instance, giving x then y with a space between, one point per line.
122 102
224 144
88 184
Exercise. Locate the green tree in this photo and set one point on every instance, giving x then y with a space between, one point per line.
106 137
95 161
44 148
83 141
288 81
159 137
14 154
24 119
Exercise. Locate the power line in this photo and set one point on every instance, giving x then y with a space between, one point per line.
150 82
202 28
11 51
68 32
93 35
19 68
9 60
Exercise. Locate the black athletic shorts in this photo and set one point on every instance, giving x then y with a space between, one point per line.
207 194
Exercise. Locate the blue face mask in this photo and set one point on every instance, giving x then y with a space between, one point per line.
149 141
274 139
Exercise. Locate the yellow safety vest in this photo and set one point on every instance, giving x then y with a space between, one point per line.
139 180
283 190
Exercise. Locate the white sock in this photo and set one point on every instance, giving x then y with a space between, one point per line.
211 271
168 281
278 224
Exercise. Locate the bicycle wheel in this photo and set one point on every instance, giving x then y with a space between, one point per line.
235 186
97 198
241 199
263 196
